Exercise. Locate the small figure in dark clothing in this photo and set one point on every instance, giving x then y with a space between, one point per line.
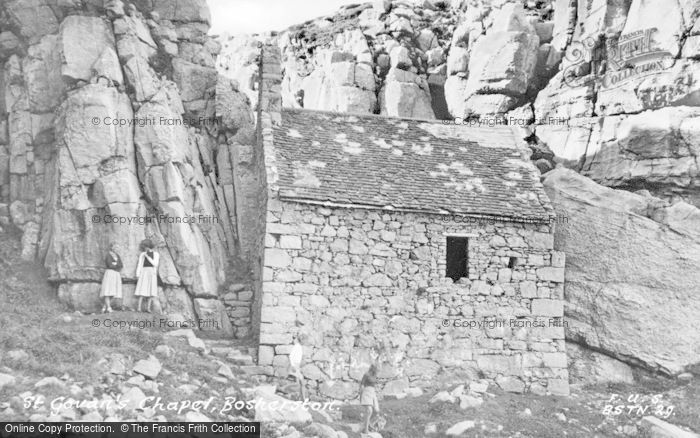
112 280
147 274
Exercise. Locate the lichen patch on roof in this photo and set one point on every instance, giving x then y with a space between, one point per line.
353 148
422 149
304 175
294 133
406 165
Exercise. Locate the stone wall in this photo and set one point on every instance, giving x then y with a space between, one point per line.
363 285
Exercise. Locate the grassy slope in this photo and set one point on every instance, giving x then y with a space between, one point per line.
31 319
59 342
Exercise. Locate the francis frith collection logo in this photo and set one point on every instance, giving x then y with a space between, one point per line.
612 62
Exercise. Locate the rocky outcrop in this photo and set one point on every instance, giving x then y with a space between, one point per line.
632 272
413 59
112 132
571 71
628 91
577 74
384 58
492 63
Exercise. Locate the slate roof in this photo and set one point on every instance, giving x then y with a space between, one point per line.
406 164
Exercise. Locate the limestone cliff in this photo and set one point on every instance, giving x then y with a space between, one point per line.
591 79
111 131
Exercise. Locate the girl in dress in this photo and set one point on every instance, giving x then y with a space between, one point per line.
112 280
147 274
368 396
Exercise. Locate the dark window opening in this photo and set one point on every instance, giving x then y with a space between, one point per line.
512 262
457 258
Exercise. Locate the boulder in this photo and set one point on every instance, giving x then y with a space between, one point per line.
489 104
503 62
405 94
321 430
459 428
283 410
87 47
630 272
50 381
564 100
570 144
33 18
42 75
177 305
457 60
340 86
182 10
212 316
6 380
9 44
400 58
149 368
142 78
233 106
655 150
590 367
657 428
162 142
194 81
427 40
132 398
396 388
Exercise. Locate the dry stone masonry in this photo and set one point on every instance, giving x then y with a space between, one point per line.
369 285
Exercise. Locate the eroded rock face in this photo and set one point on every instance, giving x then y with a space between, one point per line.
109 134
631 272
87 48
368 59
624 65
656 149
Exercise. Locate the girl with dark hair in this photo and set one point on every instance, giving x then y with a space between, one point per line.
147 274
112 280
